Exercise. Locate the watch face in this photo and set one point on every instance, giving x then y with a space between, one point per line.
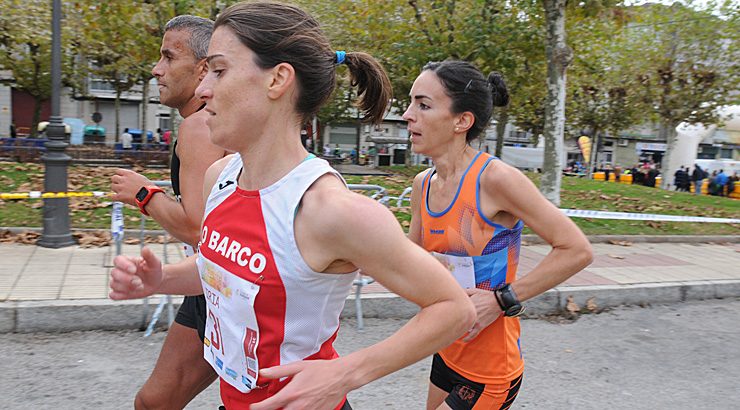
142 194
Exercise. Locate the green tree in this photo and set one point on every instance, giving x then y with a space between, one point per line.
603 96
126 61
687 58
25 49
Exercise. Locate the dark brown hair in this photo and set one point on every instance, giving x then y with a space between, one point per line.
282 33
470 91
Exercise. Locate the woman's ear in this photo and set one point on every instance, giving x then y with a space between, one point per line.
281 80
464 121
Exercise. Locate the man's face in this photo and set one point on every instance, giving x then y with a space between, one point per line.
178 73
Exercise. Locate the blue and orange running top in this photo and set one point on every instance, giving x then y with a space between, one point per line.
494 356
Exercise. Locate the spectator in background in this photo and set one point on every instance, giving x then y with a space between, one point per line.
711 186
126 139
731 183
652 174
166 137
157 139
13 132
607 171
372 153
721 181
677 178
684 181
634 171
698 177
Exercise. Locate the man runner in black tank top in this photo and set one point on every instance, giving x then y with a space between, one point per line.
181 372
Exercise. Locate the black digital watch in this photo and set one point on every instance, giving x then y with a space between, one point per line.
508 301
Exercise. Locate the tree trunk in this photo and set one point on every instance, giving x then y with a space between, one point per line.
668 166
118 114
407 160
594 153
503 118
357 142
144 109
175 124
318 140
559 55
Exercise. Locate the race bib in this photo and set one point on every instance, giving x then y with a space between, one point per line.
461 267
232 334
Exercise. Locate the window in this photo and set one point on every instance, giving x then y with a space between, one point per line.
165 122
343 135
725 153
101 85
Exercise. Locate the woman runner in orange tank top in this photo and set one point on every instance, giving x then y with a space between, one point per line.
469 211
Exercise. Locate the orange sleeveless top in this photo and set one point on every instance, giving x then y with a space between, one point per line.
462 230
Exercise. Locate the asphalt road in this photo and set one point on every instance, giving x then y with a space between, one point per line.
682 356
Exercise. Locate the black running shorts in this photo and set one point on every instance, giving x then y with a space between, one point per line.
192 314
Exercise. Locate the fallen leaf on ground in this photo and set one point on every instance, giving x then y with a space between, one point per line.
620 243
25 237
616 256
92 239
571 305
591 304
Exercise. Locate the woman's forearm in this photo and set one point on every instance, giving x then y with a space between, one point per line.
433 328
559 265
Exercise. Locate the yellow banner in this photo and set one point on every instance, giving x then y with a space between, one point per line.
584 143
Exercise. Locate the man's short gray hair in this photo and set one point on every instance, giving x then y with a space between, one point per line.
200 30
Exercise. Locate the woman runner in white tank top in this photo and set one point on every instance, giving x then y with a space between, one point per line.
283 237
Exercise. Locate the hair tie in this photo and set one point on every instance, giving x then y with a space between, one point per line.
340 55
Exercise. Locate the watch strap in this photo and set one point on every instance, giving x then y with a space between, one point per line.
151 190
508 301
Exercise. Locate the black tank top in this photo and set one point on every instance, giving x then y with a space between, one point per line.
175 166
175 172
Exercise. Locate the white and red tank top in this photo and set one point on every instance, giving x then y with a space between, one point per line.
266 306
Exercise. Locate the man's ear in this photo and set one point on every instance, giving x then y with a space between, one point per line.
281 80
464 121
202 69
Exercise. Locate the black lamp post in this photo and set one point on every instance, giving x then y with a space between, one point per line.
56 232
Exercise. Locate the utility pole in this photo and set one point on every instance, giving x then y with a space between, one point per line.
56 232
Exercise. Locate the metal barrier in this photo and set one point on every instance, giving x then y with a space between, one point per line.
117 233
399 199
379 194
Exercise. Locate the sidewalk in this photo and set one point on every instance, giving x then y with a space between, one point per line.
66 289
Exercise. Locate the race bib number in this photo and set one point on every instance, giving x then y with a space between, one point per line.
461 267
232 334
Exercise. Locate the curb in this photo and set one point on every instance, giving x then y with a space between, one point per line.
104 314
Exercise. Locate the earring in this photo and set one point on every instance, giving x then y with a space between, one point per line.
457 129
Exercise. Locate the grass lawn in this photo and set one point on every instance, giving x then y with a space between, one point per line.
577 193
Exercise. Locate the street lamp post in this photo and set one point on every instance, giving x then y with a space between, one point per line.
56 232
